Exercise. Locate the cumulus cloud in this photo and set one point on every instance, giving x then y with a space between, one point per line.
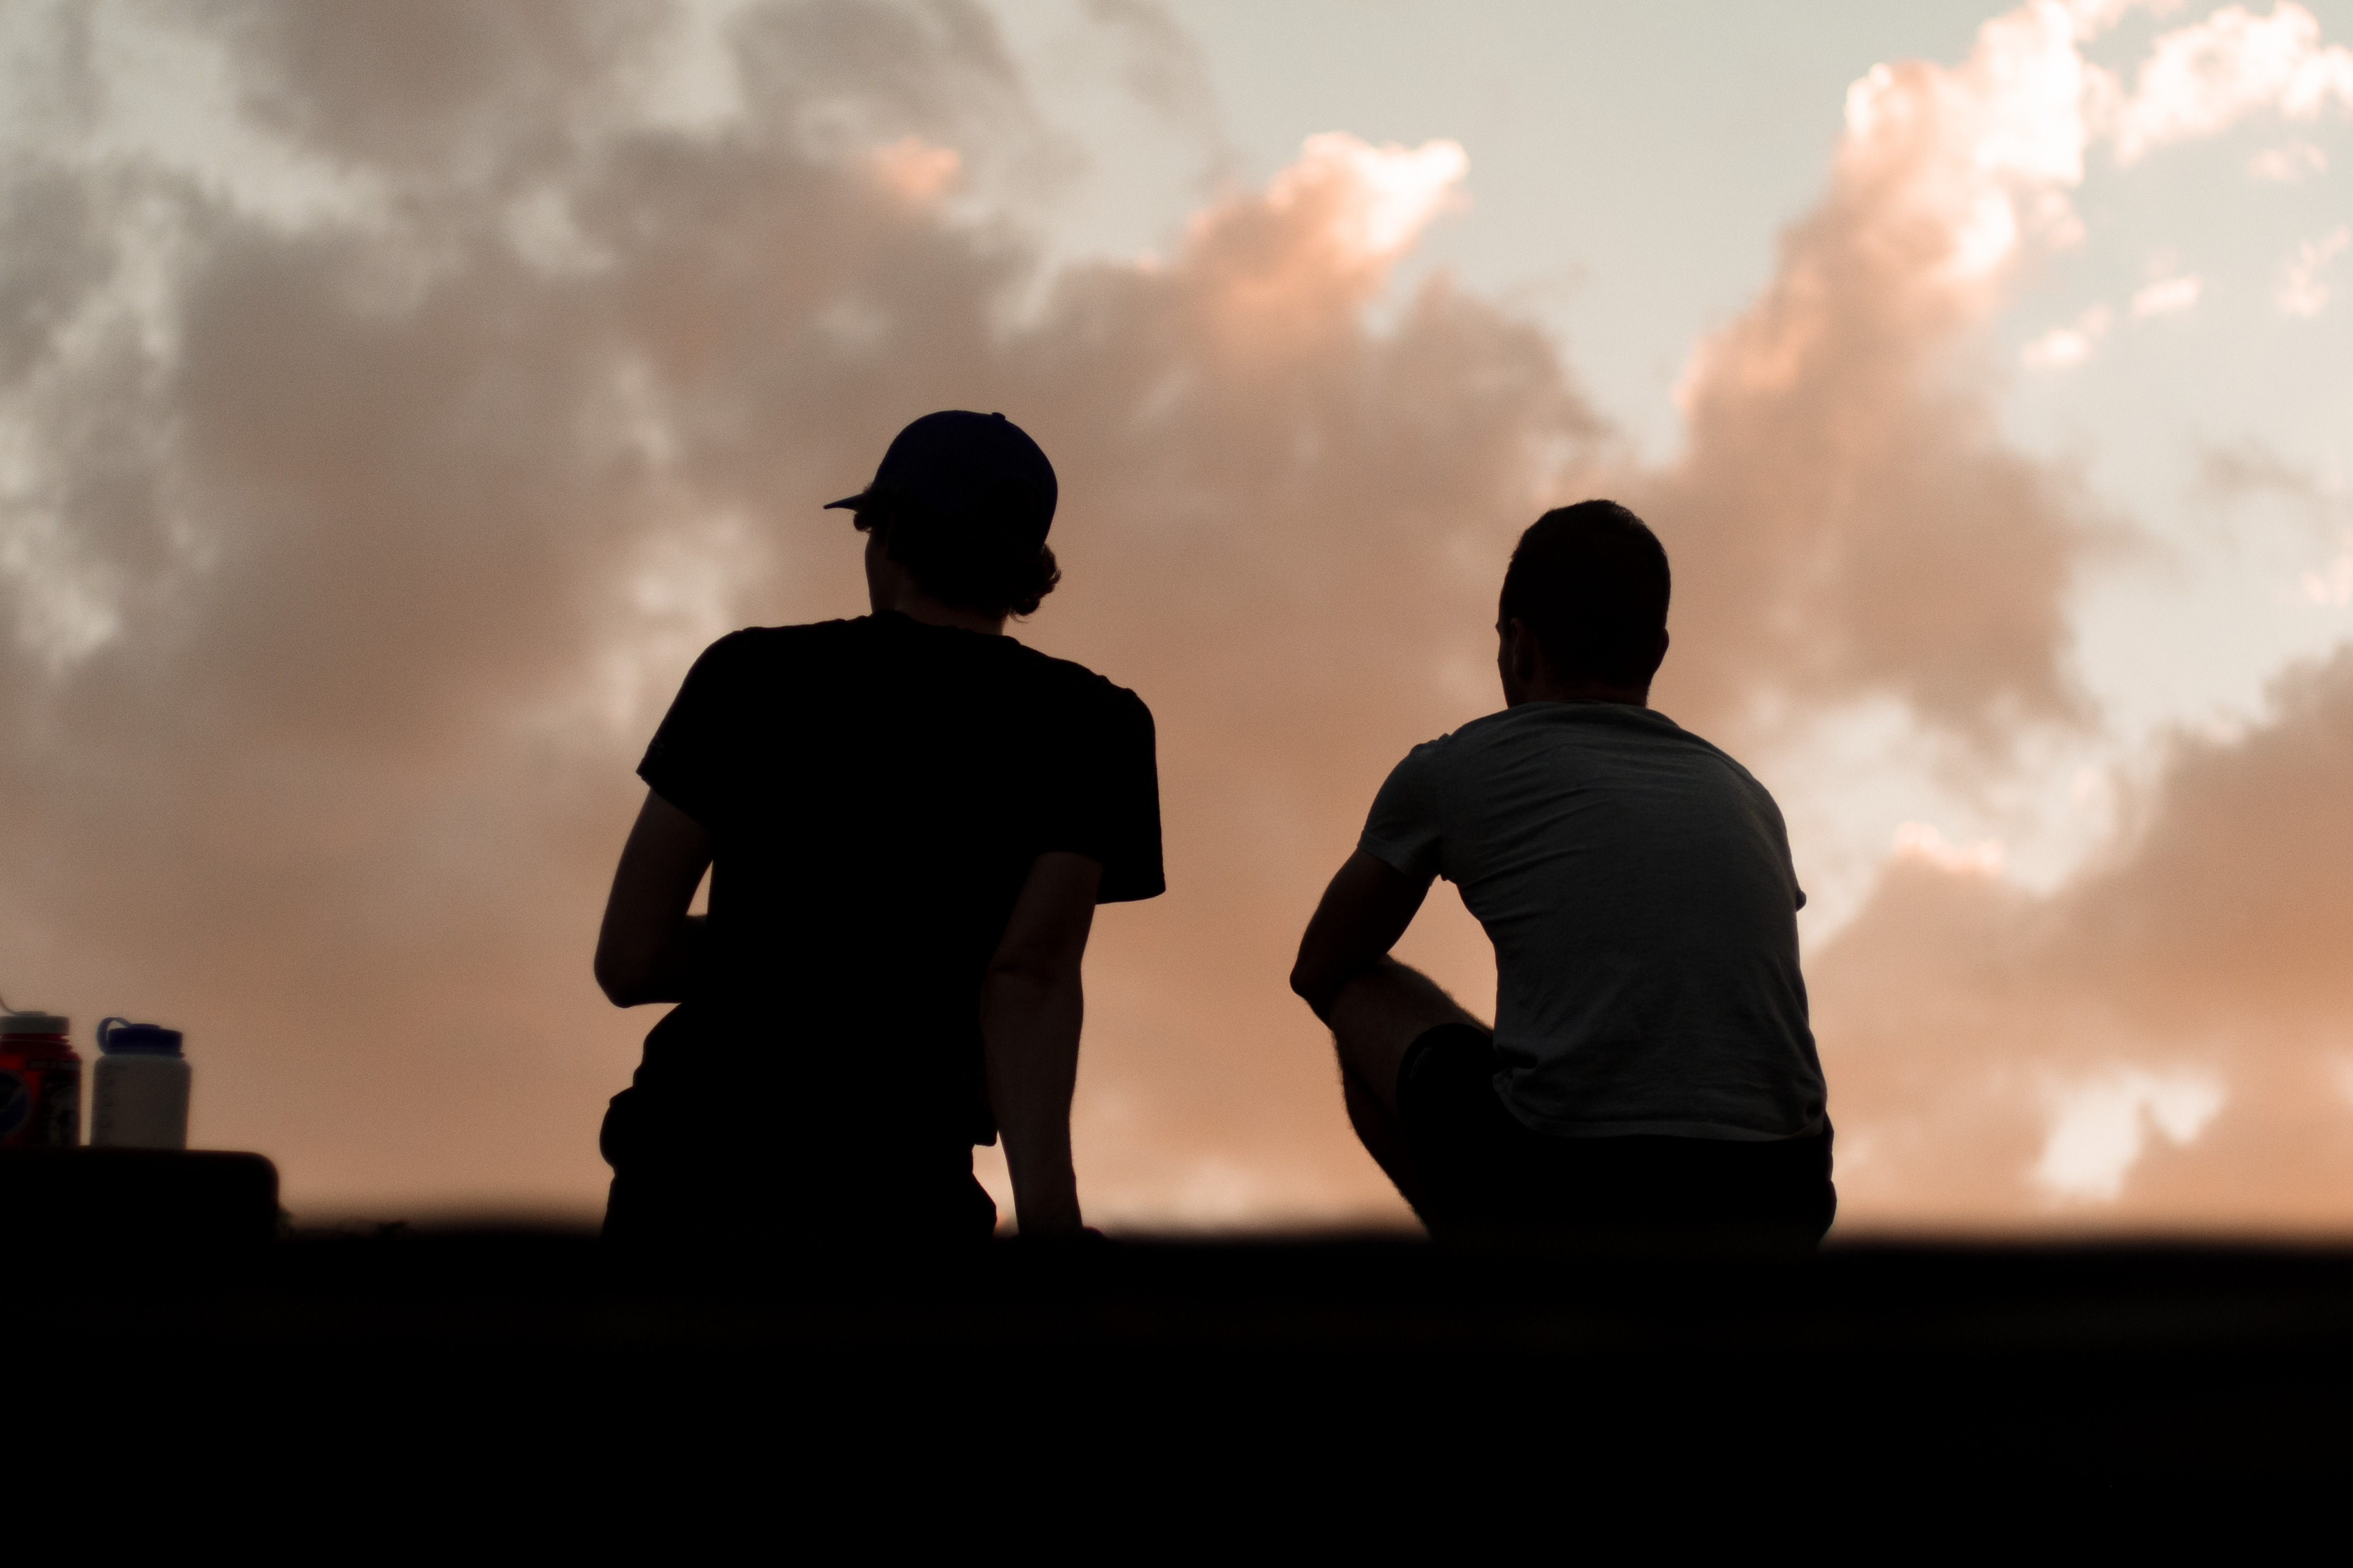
348 562
2166 297
2332 583
1848 520
2063 347
2302 290
2160 1040
2100 1125
1162 64
1925 842
351 545
2289 165
2069 346
2209 76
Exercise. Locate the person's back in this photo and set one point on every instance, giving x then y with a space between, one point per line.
1636 884
878 789
1650 1066
879 800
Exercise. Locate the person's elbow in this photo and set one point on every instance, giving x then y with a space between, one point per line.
1022 974
1315 980
1362 913
625 977
614 979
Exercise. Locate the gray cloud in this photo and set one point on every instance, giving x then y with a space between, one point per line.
1963 1019
349 561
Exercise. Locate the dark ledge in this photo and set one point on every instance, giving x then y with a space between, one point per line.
1907 1365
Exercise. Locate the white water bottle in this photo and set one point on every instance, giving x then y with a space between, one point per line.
141 1090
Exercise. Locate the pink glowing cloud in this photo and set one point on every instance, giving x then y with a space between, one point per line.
2205 78
346 565
2069 346
2166 297
1924 842
914 170
2302 289
1380 198
2289 165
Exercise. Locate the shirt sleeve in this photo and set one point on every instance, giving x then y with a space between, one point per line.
1107 801
1777 829
686 762
1133 793
1402 830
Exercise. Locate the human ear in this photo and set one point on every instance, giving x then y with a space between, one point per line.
1525 654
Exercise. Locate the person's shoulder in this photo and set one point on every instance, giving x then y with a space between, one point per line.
1605 729
1665 729
1613 723
1700 746
1428 761
757 659
1069 681
1486 727
761 644
1462 747
808 634
1454 744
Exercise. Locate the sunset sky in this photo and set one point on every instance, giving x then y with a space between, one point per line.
395 397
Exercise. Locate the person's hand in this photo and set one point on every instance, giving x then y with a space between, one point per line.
1085 1235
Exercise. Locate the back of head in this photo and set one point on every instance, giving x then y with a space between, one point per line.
1591 581
965 501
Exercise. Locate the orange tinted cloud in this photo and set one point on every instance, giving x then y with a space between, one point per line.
348 562
915 169
2207 77
1846 520
357 558
2164 1041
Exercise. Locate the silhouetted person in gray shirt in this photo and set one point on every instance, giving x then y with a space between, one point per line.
1650 1071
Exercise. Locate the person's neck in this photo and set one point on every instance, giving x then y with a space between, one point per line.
917 605
1546 691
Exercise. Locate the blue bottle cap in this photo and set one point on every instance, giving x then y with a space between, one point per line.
120 1035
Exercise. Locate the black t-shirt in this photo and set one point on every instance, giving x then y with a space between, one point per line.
877 790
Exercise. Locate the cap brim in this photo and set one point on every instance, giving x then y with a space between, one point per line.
847 503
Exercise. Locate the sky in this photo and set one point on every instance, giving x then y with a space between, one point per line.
394 398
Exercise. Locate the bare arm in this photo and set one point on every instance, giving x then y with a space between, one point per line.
1363 911
647 949
1030 1010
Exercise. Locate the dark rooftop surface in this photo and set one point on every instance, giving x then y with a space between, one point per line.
2130 1360
515 1352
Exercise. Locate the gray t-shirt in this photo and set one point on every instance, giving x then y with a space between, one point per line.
1636 883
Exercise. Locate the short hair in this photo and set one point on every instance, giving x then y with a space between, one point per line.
991 560
1591 581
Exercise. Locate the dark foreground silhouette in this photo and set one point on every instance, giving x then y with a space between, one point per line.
1294 1370
908 820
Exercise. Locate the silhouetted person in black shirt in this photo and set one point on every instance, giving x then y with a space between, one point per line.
909 819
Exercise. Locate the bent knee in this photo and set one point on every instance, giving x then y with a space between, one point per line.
1377 1015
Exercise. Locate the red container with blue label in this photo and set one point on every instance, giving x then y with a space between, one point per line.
40 1082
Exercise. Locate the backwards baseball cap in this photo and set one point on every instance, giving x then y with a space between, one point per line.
963 466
